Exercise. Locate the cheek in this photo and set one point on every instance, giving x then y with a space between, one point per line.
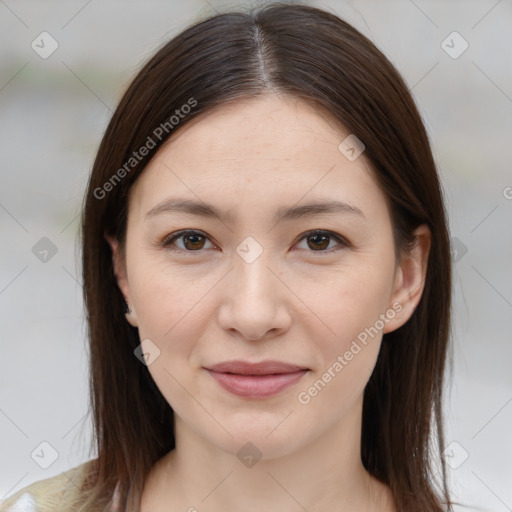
355 308
333 393
168 302
350 300
356 311
348 358
171 313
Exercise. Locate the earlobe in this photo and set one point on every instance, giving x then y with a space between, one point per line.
130 314
410 278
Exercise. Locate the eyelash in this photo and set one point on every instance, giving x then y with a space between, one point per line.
175 236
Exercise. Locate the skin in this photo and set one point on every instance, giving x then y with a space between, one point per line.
300 301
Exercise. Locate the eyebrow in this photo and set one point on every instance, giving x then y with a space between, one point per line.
204 209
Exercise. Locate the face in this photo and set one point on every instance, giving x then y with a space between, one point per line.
263 278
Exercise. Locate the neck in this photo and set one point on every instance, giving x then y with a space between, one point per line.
324 475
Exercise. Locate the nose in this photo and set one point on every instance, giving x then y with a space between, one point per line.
255 302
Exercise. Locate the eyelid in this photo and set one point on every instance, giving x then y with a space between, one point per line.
342 241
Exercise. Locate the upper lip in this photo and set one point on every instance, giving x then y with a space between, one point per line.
262 368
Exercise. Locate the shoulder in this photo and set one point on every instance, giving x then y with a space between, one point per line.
46 495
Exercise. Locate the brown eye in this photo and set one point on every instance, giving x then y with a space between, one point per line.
192 241
319 241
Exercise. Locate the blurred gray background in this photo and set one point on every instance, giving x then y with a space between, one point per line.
54 108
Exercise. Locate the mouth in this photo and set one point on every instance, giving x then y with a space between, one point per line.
256 380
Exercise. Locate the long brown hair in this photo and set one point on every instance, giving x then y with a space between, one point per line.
313 55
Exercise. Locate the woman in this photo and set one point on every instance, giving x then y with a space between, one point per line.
267 279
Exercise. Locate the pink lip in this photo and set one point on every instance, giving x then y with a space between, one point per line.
256 380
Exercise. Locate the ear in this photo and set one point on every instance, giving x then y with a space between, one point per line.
409 280
119 264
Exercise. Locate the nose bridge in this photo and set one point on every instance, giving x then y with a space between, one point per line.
253 303
253 280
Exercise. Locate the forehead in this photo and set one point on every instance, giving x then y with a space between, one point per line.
278 148
263 127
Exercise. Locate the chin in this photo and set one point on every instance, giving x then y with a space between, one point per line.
261 437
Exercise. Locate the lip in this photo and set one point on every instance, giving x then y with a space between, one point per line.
262 368
256 380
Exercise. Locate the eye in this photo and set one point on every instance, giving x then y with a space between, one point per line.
193 240
319 241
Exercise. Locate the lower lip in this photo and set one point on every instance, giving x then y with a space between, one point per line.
256 386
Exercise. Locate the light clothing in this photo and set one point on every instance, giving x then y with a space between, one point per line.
48 495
